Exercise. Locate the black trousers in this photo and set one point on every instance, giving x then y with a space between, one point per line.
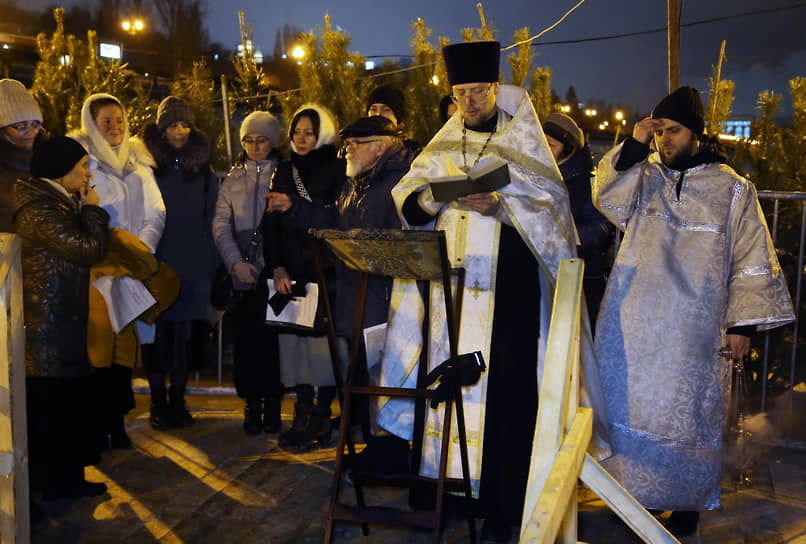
178 347
62 427
256 371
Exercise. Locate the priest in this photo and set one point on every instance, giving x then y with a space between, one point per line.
510 243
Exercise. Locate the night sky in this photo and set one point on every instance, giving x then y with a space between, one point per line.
763 51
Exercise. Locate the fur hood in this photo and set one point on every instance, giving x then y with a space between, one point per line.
192 157
327 125
90 137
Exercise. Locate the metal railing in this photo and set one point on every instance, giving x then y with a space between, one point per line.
777 197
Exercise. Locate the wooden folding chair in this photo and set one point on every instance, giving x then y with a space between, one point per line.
415 255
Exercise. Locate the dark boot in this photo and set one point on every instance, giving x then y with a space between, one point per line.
272 415
302 416
319 429
178 409
118 439
161 417
251 417
684 522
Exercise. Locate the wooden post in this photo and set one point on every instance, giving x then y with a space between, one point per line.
225 101
673 32
14 495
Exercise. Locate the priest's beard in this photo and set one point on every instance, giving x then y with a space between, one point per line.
680 157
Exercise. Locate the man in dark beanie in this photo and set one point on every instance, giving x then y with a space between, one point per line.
389 102
520 233
64 232
696 271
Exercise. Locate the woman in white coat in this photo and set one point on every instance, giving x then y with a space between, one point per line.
123 178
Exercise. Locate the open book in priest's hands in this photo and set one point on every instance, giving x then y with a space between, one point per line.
489 175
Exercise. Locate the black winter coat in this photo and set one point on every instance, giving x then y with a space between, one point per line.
285 235
60 242
189 189
596 233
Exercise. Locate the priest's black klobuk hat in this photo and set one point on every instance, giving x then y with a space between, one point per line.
472 62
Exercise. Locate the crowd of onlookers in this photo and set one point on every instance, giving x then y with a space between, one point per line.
128 239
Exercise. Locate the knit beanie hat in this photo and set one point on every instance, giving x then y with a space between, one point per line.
683 106
263 123
55 156
472 62
392 97
174 109
563 128
17 104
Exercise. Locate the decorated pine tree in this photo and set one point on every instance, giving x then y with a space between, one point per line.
331 75
521 61
69 71
720 99
540 82
540 91
56 83
484 33
250 89
426 85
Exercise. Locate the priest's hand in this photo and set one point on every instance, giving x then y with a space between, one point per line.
739 345
483 203
277 202
645 128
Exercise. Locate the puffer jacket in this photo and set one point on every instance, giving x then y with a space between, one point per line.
238 211
61 240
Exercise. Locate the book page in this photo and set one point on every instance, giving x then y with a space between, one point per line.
300 312
126 299
485 166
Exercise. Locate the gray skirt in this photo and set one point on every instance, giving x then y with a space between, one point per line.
306 360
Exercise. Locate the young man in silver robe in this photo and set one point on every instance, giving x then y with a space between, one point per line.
509 242
696 271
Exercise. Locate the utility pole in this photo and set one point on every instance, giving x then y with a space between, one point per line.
673 33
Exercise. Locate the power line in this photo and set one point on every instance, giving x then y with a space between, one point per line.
663 29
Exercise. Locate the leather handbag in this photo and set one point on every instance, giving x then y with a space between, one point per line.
223 294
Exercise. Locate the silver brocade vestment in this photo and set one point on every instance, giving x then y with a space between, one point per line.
536 204
686 270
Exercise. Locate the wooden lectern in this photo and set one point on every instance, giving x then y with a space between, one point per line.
414 255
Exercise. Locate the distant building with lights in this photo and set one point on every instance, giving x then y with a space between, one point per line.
738 127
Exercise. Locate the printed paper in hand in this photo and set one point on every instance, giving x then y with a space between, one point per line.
300 312
126 299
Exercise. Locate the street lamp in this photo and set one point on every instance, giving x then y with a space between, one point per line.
133 26
298 52
619 115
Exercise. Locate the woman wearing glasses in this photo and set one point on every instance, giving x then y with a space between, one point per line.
238 214
314 174
20 122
